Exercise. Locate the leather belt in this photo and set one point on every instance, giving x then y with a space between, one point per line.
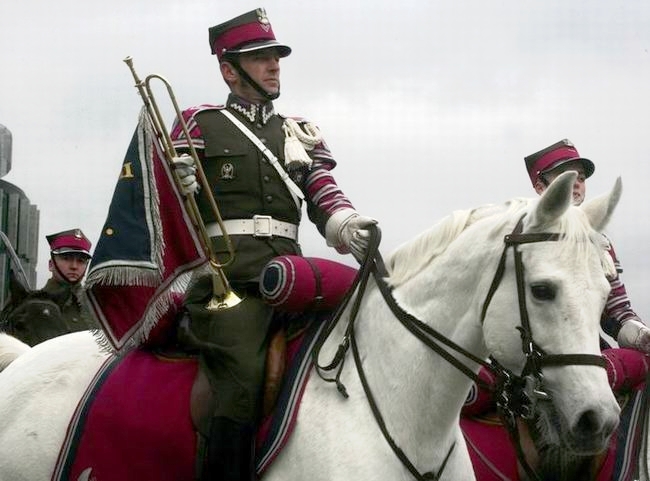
258 226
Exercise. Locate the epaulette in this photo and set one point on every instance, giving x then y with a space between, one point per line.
300 120
200 108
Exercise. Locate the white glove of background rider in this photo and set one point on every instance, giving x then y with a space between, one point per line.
634 335
186 171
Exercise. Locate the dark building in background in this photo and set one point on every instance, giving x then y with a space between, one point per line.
19 221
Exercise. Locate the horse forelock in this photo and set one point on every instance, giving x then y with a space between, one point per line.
578 236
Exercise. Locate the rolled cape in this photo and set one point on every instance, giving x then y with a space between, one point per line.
296 284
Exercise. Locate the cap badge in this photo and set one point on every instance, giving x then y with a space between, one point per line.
263 19
227 171
77 234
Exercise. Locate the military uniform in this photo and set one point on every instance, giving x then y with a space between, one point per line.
245 186
76 317
261 212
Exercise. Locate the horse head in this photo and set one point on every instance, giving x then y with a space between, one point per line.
32 316
562 288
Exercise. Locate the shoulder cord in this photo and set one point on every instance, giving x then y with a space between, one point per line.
297 141
295 191
309 137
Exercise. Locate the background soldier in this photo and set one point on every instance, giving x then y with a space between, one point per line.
618 320
69 257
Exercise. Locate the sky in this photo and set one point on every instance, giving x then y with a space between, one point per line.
428 106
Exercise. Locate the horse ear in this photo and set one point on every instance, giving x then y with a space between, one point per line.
599 209
17 290
555 200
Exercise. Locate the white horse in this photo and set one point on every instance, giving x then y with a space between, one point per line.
442 278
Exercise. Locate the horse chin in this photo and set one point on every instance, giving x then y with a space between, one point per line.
552 433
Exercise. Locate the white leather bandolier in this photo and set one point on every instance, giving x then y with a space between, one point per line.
258 226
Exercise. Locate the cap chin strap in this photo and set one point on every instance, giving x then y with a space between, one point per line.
234 60
63 276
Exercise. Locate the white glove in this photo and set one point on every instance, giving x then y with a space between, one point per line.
634 335
354 235
186 172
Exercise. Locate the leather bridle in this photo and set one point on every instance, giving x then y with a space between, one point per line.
515 395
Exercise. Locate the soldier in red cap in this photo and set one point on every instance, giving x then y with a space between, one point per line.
69 257
618 320
261 167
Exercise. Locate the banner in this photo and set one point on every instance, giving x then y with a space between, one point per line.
147 248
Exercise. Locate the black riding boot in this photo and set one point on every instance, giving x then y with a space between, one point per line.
230 451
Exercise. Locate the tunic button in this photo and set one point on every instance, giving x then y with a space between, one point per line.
263 139
226 151
269 198
259 126
266 178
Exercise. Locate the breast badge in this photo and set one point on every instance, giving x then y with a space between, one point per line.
227 171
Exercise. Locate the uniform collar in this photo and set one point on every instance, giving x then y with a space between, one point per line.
254 113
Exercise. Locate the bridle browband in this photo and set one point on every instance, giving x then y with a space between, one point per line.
515 395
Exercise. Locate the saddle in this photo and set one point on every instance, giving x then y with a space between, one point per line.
163 398
202 395
291 284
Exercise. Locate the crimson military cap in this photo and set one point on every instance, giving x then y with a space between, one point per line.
245 33
69 241
553 156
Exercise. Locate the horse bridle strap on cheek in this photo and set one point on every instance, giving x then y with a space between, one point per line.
536 358
518 395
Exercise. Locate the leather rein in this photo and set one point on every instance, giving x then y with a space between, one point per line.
516 396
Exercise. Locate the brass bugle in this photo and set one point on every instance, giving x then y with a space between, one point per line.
223 295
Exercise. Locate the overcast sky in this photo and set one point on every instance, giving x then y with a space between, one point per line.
428 105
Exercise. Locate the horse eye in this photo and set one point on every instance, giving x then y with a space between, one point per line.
543 292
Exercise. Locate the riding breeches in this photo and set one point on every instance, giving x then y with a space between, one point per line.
234 346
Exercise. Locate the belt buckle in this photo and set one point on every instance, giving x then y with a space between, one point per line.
262 226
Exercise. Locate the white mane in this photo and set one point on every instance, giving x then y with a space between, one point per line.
416 255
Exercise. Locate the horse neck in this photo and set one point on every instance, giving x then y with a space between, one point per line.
417 390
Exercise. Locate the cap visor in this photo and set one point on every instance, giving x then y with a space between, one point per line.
69 250
283 50
586 163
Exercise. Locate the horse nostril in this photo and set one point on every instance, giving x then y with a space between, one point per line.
590 424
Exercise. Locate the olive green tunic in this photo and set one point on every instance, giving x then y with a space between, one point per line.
75 316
